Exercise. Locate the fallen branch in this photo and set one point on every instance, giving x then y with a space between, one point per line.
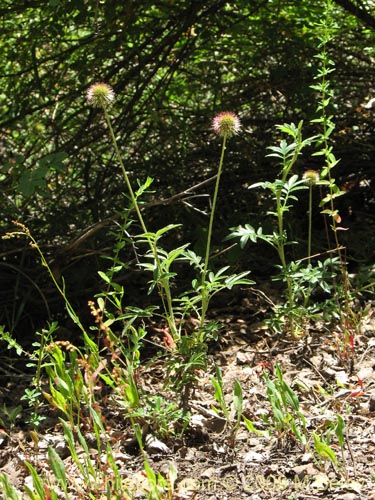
87 233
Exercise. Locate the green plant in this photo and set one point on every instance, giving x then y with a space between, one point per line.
23 231
8 416
339 429
101 95
326 31
67 388
37 359
162 417
323 442
323 449
160 487
98 476
9 492
307 281
157 486
311 178
225 125
302 281
233 415
286 418
189 349
284 193
33 394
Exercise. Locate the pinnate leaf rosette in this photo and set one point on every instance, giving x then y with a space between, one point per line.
226 124
100 95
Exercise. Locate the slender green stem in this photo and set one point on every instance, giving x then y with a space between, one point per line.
60 289
209 234
310 225
164 283
91 346
280 221
210 226
281 250
327 36
126 177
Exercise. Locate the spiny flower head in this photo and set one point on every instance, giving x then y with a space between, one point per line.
226 124
100 95
311 177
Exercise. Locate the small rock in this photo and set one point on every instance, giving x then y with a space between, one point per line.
153 445
208 473
245 358
254 456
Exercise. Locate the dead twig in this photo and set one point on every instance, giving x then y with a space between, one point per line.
90 231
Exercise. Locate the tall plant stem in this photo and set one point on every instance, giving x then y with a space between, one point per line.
209 234
164 283
126 177
310 226
281 251
327 66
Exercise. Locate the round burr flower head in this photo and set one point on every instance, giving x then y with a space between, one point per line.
311 177
226 124
100 95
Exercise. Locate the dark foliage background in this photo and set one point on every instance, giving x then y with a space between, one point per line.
173 65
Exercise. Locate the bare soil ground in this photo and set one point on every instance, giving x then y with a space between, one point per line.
209 463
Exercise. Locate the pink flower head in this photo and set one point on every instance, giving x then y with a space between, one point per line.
100 95
311 177
226 124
